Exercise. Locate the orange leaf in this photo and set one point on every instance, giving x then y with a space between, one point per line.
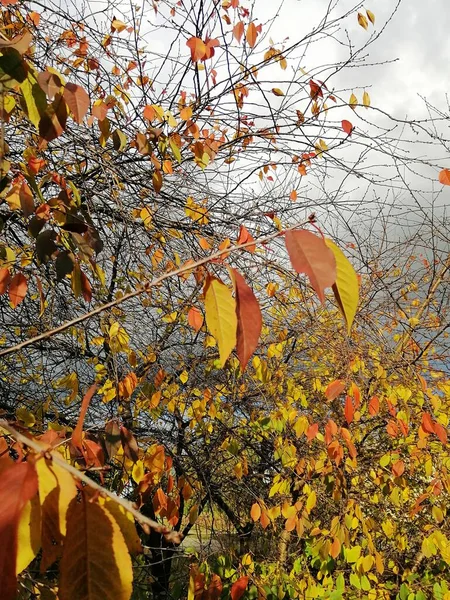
195 318
265 521
310 255
245 237
293 195
5 278
441 432
347 127
374 406
77 100
444 177
249 319
238 31
255 512
335 548
76 435
197 48
334 389
251 35
312 431
349 410
398 468
238 588
17 289
18 485
427 423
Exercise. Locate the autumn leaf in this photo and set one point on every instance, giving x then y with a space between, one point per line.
370 16
77 100
221 317
77 432
195 318
334 389
309 254
374 406
94 546
245 237
353 102
56 491
125 521
255 512
349 409
366 100
17 289
197 48
238 31
398 468
347 127
444 177
5 278
362 20
28 534
238 588
249 319
18 484
251 35
277 92
346 287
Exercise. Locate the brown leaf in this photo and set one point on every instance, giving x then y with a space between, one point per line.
310 255
129 444
53 121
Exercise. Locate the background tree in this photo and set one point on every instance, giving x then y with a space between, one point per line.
130 173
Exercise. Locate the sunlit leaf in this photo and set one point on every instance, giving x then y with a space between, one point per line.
221 317
346 287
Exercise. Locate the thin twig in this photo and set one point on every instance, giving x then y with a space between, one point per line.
155 282
38 447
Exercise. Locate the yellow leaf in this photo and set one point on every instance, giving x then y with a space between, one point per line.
353 102
27 417
221 320
311 501
138 471
277 92
371 16
125 521
346 288
56 490
366 99
28 534
363 21
95 562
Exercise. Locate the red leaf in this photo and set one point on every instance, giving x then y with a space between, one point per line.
86 288
76 435
310 255
349 410
195 318
77 100
427 423
444 177
50 83
18 289
347 127
334 389
18 484
315 90
249 319
238 588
